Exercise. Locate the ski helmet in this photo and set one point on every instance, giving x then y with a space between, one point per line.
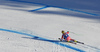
62 31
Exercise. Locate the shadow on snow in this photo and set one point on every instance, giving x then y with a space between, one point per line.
38 38
90 6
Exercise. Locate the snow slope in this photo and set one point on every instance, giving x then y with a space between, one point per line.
47 22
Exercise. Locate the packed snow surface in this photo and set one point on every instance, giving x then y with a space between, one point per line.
35 25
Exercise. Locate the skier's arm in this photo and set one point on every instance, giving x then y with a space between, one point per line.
62 37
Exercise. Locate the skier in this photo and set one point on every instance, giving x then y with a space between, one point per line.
66 37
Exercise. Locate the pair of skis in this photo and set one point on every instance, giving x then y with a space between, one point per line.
71 42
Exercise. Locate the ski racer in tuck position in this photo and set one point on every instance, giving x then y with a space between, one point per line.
66 37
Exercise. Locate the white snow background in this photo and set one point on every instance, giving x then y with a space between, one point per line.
35 25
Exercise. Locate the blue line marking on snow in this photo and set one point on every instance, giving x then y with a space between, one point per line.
58 7
39 9
80 11
61 44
